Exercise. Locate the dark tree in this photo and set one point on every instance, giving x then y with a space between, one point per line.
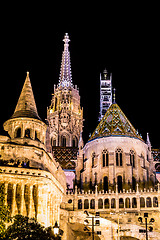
26 228
4 212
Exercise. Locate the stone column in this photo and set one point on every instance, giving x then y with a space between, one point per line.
22 200
75 200
5 193
111 168
138 198
39 203
14 207
31 203
96 198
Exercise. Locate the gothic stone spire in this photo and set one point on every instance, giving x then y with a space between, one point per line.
26 106
65 79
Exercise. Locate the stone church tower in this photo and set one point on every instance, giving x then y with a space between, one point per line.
65 117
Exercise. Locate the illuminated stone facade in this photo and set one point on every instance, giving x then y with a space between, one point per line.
116 153
115 169
65 119
34 182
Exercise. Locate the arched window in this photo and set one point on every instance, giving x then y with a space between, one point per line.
37 137
105 158
105 184
142 202
119 157
132 158
93 159
127 203
92 204
74 142
121 203
86 204
134 203
53 142
113 203
155 202
148 202
18 133
133 183
95 181
80 204
119 182
27 133
106 203
100 203
63 141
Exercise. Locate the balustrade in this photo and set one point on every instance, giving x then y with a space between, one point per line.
128 199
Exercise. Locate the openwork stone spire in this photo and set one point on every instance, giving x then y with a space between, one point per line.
65 79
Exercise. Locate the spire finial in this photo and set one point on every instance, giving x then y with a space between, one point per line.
148 140
114 95
66 40
27 74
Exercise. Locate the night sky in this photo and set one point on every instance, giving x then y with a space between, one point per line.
125 44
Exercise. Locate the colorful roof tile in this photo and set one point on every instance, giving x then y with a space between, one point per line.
115 123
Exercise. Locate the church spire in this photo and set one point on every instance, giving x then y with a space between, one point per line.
26 106
65 79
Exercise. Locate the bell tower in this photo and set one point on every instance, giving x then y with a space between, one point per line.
65 115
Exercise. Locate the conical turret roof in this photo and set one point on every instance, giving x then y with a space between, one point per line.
115 123
26 106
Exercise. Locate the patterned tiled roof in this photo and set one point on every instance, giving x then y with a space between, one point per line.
115 123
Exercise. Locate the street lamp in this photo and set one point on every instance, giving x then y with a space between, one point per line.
94 223
56 229
146 223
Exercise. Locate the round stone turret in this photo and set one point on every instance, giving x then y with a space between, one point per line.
25 125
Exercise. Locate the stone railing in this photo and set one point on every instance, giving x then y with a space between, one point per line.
113 200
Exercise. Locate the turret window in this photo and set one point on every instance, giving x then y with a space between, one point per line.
105 158
18 133
27 133
37 137
119 160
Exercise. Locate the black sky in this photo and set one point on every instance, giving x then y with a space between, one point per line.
126 42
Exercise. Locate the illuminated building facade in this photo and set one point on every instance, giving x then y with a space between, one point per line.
114 170
65 119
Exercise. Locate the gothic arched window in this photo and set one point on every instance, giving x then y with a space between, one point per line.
93 159
74 142
132 158
119 161
63 141
105 158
